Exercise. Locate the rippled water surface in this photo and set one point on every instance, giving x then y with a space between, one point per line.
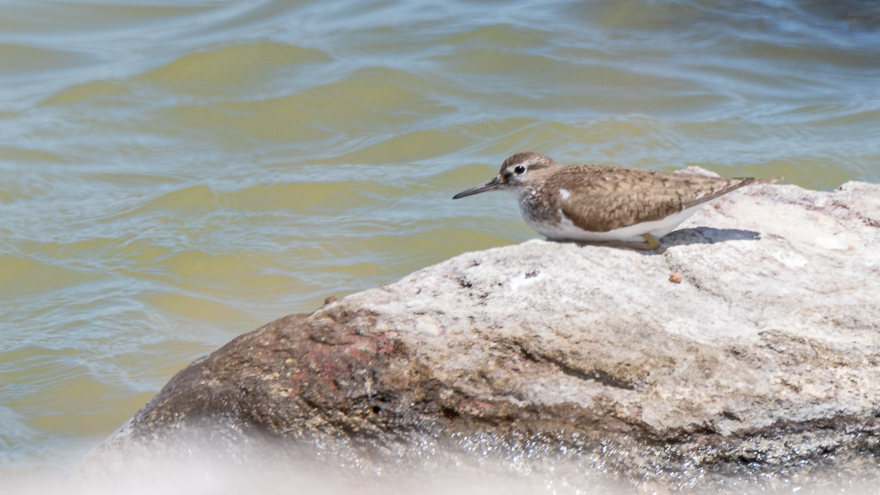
173 174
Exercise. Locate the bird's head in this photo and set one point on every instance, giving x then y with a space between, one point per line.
516 173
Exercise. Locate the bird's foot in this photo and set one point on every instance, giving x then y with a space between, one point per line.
651 242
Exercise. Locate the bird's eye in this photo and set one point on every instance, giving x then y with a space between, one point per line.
519 169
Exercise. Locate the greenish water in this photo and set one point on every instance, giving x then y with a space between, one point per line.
174 174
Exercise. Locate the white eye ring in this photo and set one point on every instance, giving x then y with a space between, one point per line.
519 170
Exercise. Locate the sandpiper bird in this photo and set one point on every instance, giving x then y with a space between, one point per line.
594 203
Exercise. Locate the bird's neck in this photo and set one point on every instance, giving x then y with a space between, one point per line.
532 204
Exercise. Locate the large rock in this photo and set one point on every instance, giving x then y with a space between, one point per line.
764 358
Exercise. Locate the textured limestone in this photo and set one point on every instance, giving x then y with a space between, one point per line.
765 355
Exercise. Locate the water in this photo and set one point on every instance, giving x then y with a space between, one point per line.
172 175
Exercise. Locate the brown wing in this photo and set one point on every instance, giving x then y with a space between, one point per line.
608 198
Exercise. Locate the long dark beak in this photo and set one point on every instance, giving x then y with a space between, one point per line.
489 185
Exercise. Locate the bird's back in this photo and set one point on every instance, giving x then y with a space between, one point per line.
599 199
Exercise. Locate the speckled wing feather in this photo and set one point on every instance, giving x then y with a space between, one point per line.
607 198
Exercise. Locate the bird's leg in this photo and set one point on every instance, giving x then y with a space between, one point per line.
651 241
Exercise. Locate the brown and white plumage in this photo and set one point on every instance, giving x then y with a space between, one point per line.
599 203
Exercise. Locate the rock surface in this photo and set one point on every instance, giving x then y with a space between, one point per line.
764 357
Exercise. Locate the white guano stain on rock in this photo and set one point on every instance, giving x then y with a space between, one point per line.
831 243
524 279
790 259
